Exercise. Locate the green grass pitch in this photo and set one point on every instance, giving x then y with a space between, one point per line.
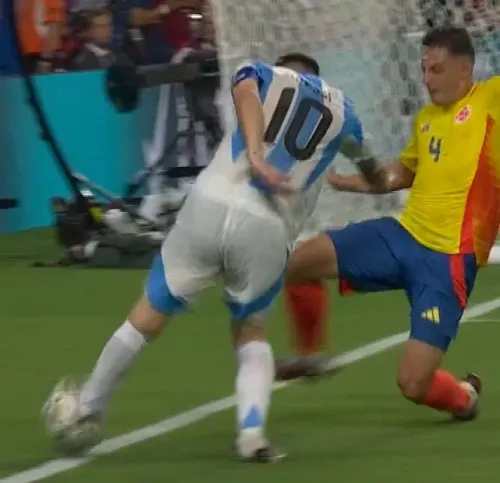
354 428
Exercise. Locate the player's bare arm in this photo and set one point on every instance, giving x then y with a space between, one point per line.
375 178
251 120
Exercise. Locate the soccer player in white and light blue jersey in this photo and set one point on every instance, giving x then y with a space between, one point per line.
242 215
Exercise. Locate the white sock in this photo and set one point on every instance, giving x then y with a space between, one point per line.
116 357
253 387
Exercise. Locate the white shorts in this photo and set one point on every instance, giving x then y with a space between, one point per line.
323 218
209 239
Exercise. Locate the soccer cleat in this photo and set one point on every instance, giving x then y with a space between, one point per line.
255 448
309 366
267 454
473 384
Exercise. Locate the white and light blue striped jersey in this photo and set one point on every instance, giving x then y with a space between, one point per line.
307 122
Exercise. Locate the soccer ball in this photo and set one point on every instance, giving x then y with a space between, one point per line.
72 432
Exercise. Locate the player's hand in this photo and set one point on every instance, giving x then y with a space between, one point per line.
271 178
335 180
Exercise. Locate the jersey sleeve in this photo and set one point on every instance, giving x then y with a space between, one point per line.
250 70
409 155
355 145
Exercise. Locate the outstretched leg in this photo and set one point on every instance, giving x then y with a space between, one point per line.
143 325
184 267
356 253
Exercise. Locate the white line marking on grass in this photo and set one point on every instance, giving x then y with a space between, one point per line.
57 466
485 321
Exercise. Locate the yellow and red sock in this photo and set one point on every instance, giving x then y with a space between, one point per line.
446 394
307 306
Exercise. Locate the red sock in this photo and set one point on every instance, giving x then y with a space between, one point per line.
446 394
307 306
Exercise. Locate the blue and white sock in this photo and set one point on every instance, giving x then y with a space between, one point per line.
253 387
114 361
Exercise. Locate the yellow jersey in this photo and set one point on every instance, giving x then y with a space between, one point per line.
454 203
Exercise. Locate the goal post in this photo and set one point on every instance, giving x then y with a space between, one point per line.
368 48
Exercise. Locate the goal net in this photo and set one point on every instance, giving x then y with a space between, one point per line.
368 48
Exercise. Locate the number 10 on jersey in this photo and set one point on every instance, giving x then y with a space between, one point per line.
297 124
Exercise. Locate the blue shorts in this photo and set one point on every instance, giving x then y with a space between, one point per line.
378 255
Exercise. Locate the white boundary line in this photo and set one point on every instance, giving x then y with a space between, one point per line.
57 466
485 321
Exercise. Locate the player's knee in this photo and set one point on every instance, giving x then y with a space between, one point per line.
417 367
146 319
313 260
248 330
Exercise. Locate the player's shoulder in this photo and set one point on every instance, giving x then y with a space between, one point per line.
491 85
252 69
254 64
426 114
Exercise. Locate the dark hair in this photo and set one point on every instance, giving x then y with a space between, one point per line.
81 20
299 58
455 40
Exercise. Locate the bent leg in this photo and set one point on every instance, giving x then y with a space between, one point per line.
362 256
434 323
184 267
422 382
313 260
143 324
358 253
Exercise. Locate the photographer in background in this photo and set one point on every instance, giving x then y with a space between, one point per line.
96 34
151 18
169 36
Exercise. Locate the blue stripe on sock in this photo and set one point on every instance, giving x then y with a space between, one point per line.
253 419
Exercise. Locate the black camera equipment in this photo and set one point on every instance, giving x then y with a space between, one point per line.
199 74
125 80
80 222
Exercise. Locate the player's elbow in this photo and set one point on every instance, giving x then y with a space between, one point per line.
399 177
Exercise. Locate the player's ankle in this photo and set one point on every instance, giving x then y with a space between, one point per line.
473 397
90 408
250 440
